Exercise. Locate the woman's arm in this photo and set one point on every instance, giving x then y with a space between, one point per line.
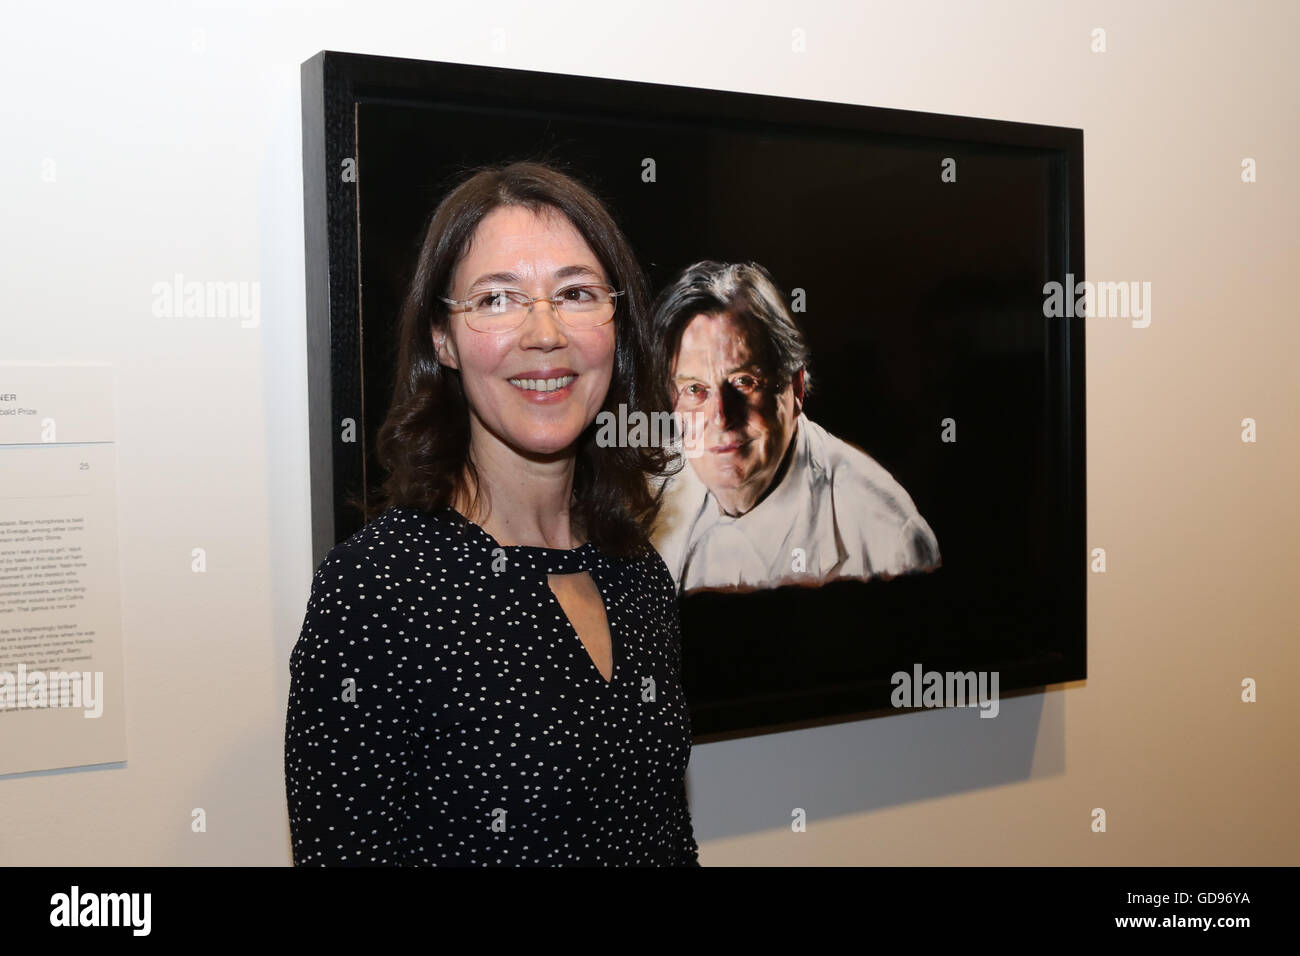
345 741
687 851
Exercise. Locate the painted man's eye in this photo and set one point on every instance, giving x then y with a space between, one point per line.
692 392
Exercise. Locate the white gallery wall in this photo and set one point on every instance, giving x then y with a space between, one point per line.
145 140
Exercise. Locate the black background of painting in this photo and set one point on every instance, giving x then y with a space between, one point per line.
924 302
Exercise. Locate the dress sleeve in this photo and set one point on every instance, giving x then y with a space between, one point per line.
345 742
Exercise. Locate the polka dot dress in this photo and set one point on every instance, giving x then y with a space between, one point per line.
443 710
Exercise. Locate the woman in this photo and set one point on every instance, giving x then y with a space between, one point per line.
489 671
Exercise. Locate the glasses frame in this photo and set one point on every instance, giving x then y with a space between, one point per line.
466 306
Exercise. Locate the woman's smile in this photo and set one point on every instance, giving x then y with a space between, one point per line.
545 386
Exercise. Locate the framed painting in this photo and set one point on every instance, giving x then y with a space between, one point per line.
908 520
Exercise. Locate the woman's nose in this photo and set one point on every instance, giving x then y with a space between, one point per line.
548 323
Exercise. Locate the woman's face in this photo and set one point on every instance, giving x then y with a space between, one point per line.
515 248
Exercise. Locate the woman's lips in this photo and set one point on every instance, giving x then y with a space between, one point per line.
726 449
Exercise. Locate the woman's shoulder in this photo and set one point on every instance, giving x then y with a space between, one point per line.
362 593
398 540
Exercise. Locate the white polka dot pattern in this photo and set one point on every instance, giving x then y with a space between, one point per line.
480 732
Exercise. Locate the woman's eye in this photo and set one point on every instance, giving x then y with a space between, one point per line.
495 299
578 293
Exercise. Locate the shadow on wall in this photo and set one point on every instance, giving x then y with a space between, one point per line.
752 784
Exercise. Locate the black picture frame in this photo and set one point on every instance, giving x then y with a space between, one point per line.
750 663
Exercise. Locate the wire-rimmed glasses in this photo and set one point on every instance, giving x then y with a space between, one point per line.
583 305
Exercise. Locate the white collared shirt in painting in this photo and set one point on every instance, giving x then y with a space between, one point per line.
836 513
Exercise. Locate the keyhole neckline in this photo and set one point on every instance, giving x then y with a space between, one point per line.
540 559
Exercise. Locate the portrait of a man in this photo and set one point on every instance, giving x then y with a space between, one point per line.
766 496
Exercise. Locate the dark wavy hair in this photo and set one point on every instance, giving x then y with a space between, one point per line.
746 292
424 442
